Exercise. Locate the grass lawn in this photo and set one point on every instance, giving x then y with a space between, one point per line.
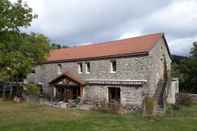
29 117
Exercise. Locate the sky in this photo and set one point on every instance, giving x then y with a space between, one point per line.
81 22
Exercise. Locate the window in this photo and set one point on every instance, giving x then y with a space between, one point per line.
33 71
40 85
113 66
59 69
80 67
87 67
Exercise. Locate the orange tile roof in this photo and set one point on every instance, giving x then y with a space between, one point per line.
68 75
135 45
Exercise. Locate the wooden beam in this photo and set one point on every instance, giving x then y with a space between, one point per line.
54 92
11 91
81 91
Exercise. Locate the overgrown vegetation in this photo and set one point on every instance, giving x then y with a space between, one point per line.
31 89
112 107
184 100
30 117
19 51
149 106
186 70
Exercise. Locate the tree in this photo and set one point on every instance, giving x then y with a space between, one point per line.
14 16
186 70
194 50
19 51
17 57
57 46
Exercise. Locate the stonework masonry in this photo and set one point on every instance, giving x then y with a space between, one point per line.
149 67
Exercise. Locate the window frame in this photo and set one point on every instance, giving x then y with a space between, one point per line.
80 67
59 69
87 65
112 66
33 71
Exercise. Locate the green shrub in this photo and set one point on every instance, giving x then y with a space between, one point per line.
184 99
172 109
31 89
101 106
112 107
149 106
176 107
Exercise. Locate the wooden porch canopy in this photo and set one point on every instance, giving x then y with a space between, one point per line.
68 76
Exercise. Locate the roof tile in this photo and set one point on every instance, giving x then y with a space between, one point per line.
133 45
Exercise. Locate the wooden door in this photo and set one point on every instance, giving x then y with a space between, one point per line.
67 94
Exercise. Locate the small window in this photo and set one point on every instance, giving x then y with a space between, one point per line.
113 66
87 67
40 85
59 69
80 67
33 71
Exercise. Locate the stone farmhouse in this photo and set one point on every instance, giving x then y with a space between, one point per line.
124 70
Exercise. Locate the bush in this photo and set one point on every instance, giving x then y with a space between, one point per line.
115 107
184 99
172 109
77 100
112 107
149 106
176 107
101 106
31 89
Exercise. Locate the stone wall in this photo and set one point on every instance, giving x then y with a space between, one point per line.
130 68
156 71
95 93
132 95
129 95
148 68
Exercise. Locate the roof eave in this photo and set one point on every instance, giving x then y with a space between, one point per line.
165 41
145 53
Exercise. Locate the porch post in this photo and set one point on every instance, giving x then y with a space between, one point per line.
54 92
4 91
11 91
81 91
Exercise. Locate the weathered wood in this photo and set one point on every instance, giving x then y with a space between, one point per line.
10 91
4 91
81 91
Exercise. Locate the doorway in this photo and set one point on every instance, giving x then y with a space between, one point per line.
65 93
71 92
114 94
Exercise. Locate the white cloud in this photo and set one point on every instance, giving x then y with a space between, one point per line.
177 19
78 21
182 46
130 34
